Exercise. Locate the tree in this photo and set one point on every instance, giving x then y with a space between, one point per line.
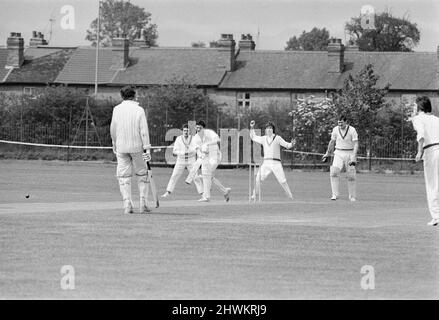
390 33
176 102
119 18
199 44
361 101
314 40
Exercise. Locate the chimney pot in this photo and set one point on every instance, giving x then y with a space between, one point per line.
335 56
246 43
120 53
15 49
226 46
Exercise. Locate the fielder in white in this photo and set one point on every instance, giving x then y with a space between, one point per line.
271 144
130 136
427 129
345 140
209 156
185 151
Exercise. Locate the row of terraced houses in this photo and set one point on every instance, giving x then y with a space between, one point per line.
236 75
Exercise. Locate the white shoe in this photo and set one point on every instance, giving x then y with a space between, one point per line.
352 199
128 207
203 199
166 194
433 222
144 209
227 194
334 197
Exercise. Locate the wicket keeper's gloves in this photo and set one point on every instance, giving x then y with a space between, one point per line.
352 163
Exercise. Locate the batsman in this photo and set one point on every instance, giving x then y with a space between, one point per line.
345 139
130 137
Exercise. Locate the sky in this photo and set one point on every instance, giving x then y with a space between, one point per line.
182 22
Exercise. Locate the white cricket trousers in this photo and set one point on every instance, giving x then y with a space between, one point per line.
179 168
431 174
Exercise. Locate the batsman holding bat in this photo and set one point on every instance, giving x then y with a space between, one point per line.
130 137
345 139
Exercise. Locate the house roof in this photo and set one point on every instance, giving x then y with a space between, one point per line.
158 65
308 70
80 69
41 65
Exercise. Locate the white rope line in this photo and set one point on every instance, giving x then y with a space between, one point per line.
359 157
67 146
166 147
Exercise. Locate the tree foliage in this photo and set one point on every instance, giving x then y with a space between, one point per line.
314 40
361 100
390 33
366 108
177 102
119 18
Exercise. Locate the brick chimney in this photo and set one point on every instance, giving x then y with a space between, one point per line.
246 43
15 47
120 48
37 39
352 46
226 45
335 56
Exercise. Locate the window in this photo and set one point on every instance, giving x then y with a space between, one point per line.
244 99
29 91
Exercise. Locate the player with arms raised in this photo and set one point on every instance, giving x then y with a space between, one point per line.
271 144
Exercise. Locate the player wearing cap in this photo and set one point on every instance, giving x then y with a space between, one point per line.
184 149
427 129
345 139
271 144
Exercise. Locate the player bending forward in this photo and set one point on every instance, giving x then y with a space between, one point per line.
345 139
209 156
184 149
271 144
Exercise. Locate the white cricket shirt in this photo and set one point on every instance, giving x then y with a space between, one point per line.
344 139
129 128
271 145
427 127
184 145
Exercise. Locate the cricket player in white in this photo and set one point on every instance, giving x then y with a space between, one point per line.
271 144
345 139
427 129
209 156
130 136
185 150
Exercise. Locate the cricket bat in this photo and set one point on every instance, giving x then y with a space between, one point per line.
153 186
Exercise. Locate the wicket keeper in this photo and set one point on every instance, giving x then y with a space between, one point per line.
345 139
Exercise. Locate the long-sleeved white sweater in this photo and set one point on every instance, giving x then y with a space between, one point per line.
129 128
